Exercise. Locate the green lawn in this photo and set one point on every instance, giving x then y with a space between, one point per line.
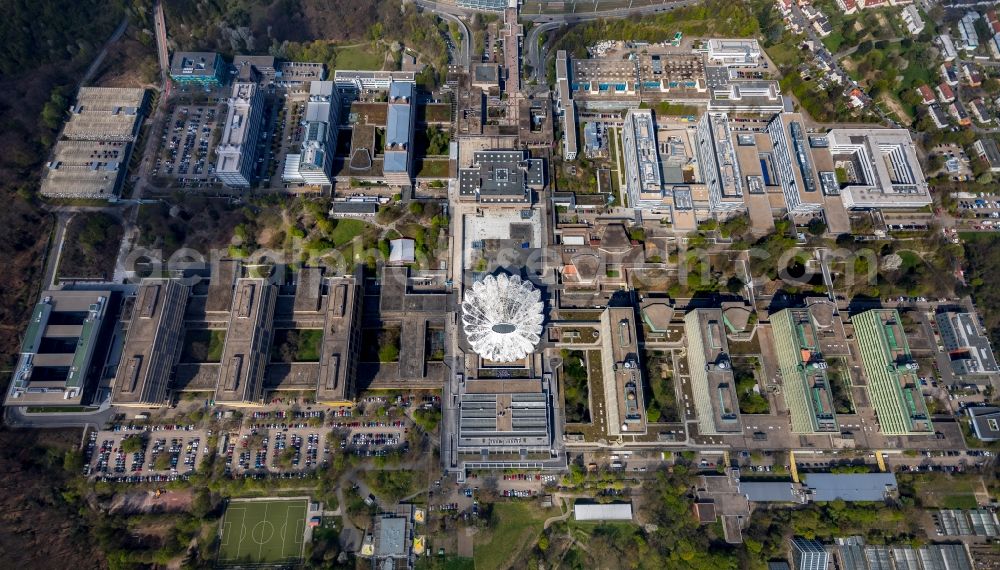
445 563
346 230
263 532
430 168
517 527
438 113
296 345
362 57
946 491
202 345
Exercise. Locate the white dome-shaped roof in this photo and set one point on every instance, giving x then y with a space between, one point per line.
502 318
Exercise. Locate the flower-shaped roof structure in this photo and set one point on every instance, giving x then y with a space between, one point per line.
502 318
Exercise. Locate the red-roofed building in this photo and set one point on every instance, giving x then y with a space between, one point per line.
945 94
926 94
992 21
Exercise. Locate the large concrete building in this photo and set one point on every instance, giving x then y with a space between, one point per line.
86 169
92 160
398 163
501 177
718 164
152 344
712 383
349 79
622 372
643 179
567 107
968 347
505 424
891 372
198 68
338 363
803 372
738 52
793 163
59 348
313 165
106 114
881 166
237 150
248 343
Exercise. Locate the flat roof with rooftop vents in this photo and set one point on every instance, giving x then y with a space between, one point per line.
643 177
106 114
237 147
248 343
196 66
399 130
152 344
891 371
712 382
86 169
58 348
341 341
622 372
968 347
882 168
803 371
501 176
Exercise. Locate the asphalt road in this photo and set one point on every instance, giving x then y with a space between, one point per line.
451 13
536 56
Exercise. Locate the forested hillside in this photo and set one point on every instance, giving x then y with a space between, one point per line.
255 25
47 45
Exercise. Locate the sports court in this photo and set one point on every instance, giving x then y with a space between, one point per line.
260 532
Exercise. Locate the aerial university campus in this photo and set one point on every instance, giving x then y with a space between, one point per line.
488 284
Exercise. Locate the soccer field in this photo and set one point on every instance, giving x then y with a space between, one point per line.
263 532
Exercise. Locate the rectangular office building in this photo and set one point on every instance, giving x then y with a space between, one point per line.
643 179
248 343
501 177
237 148
881 166
891 371
338 363
969 349
152 344
58 349
793 163
717 163
803 372
398 163
712 383
622 372
505 423
197 67
567 107
314 164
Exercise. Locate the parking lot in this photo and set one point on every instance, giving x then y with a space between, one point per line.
162 454
271 448
187 142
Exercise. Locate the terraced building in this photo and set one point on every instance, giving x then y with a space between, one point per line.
803 372
891 373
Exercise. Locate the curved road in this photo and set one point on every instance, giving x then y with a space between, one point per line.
548 22
465 56
536 56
